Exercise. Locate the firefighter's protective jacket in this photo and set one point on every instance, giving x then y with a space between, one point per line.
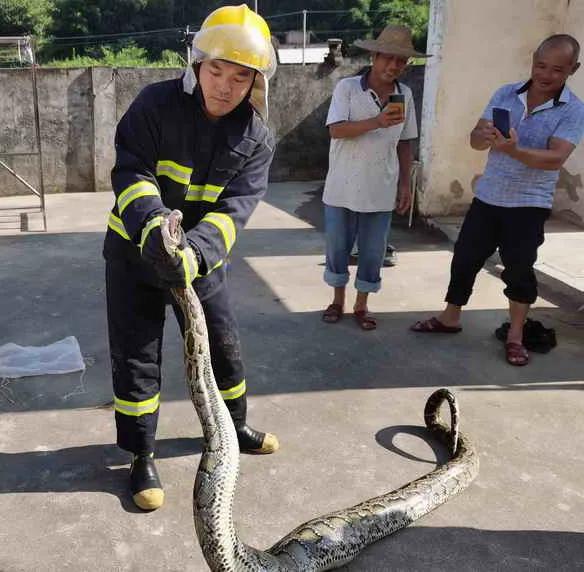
169 154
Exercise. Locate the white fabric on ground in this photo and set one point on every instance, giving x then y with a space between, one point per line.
63 356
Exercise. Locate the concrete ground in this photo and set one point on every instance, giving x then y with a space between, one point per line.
346 404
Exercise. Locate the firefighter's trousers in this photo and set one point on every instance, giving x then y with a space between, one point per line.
136 312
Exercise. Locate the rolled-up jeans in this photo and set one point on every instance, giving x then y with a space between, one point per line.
341 227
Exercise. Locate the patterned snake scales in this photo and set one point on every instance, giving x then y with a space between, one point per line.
326 542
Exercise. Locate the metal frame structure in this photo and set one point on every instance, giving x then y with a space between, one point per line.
26 54
415 176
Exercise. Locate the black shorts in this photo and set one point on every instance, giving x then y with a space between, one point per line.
517 232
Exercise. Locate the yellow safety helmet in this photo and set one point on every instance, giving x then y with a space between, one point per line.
236 34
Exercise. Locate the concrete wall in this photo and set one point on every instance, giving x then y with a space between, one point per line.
299 98
479 46
17 134
79 110
66 119
569 201
66 125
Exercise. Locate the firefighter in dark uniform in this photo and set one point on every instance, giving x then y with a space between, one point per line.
199 144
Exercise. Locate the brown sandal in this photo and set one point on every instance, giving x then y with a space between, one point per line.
516 354
332 314
365 321
434 326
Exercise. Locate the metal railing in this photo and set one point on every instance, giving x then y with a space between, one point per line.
24 50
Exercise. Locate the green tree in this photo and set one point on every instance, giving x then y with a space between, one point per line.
134 20
376 14
411 13
19 17
77 18
362 17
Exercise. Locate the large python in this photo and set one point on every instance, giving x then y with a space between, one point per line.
325 542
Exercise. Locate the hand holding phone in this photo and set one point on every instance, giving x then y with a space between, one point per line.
396 104
502 120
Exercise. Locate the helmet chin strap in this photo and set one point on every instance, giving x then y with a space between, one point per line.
248 94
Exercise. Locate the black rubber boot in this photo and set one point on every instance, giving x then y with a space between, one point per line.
252 441
145 483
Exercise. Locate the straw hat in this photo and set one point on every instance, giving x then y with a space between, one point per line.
395 41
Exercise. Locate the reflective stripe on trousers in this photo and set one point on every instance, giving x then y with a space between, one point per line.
136 313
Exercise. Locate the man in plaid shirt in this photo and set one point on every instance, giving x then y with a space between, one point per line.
514 195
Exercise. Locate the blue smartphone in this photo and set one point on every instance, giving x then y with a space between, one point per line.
502 120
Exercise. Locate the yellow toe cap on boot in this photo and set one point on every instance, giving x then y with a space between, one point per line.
149 499
256 442
270 444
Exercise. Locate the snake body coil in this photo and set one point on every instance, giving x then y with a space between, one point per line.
326 542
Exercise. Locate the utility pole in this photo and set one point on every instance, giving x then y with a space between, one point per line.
304 13
255 5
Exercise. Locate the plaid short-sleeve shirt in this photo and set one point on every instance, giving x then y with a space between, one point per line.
507 182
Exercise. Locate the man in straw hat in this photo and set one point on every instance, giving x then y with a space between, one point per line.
199 144
369 168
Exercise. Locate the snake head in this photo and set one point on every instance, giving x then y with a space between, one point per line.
174 220
169 227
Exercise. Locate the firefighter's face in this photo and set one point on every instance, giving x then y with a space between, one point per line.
224 86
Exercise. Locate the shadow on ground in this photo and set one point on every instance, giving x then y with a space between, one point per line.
468 549
55 288
91 468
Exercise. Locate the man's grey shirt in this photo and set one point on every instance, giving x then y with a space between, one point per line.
364 171
507 182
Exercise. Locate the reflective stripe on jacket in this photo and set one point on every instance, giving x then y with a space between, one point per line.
170 155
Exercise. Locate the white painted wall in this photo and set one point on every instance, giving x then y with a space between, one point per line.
569 199
479 46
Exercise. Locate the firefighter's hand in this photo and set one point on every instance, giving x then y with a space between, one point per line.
174 271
